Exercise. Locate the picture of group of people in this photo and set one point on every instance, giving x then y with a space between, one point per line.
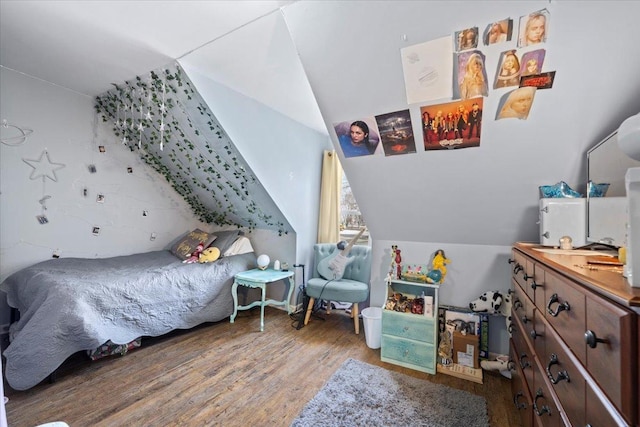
452 125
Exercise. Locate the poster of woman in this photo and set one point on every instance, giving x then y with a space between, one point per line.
358 137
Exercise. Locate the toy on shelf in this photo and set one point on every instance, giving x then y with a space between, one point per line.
494 302
398 264
501 364
438 270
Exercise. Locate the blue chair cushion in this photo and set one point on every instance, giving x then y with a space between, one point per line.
345 290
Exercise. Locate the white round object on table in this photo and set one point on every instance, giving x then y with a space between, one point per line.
263 261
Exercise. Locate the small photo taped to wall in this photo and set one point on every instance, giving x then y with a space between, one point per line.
100 198
95 231
42 219
92 168
101 148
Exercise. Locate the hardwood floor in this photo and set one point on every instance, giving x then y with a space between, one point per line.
220 374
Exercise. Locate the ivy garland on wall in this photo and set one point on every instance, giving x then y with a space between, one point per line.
167 122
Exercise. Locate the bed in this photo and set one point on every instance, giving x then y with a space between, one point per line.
69 305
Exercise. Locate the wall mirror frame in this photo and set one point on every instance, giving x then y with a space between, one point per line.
606 216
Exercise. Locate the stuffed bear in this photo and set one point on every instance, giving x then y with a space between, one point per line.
494 302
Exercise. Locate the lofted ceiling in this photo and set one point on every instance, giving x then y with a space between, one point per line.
86 46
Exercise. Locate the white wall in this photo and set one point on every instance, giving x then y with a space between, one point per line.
63 123
475 202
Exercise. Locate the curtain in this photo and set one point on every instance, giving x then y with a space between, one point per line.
329 219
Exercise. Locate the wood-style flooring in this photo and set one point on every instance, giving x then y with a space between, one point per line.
220 374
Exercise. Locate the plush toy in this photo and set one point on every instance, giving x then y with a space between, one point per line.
501 364
494 302
195 254
209 255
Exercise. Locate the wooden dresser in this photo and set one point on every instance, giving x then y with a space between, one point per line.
575 345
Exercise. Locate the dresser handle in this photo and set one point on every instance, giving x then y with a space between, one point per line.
523 363
592 340
545 409
562 375
527 277
535 285
519 405
561 306
511 261
517 305
518 268
525 319
533 334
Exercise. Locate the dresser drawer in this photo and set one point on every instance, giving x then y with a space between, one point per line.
523 271
545 410
565 311
520 391
566 379
406 325
408 352
523 358
522 306
608 356
598 413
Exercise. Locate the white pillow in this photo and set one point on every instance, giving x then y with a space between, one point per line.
242 245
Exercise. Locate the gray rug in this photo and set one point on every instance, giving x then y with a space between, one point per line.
360 394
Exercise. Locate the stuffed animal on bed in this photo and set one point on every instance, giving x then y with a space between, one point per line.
209 255
195 255
494 302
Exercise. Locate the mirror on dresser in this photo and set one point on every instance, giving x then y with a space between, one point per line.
606 216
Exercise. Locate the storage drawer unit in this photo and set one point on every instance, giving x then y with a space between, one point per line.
408 339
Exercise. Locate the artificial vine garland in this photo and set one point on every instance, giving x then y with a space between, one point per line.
173 130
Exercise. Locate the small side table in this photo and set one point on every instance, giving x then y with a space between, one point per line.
257 278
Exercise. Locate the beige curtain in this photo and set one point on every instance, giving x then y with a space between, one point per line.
329 220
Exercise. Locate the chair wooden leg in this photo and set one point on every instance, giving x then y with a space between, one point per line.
309 309
328 307
356 319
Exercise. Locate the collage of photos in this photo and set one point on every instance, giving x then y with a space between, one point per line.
458 124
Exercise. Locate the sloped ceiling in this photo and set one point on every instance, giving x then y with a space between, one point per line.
86 46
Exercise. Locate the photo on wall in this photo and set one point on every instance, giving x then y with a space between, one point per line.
532 62
466 39
516 104
508 73
471 75
533 28
498 32
452 125
396 133
358 137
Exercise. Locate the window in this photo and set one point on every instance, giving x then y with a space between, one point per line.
351 220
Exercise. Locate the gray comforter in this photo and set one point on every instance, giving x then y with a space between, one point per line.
72 304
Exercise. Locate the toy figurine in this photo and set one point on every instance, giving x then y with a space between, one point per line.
438 267
398 264
392 270
195 255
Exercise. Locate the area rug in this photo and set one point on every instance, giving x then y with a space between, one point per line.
360 394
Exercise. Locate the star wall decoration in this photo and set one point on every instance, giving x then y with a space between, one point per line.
44 167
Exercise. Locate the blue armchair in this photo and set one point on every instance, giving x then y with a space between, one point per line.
353 287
